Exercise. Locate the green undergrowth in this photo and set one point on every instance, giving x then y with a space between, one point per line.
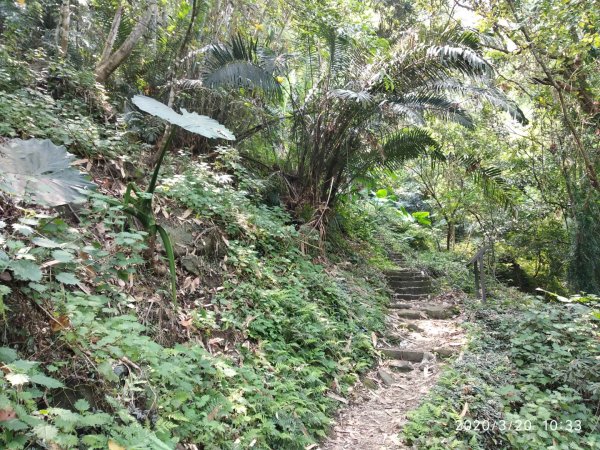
59 103
266 354
529 379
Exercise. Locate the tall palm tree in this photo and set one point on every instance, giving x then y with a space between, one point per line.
345 114
358 115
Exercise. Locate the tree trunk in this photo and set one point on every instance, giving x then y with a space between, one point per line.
62 33
112 36
450 236
106 68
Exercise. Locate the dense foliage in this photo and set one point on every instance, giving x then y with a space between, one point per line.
529 379
295 329
198 199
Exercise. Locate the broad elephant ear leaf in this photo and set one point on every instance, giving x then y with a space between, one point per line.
39 170
190 121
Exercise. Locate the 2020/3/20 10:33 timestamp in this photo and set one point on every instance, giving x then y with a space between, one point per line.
570 426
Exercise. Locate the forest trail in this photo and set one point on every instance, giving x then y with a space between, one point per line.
421 332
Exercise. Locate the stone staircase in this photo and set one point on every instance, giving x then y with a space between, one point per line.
409 284
421 330
413 302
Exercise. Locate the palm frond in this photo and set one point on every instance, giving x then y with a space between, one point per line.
408 143
488 93
463 59
490 179
191 84
362 97
413 68
406 111
413 105
468 38
457 36
239 64
340 54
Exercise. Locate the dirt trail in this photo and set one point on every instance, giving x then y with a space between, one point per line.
421 332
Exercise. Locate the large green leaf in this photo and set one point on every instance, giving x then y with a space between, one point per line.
195 123
45 381
39 170
26 270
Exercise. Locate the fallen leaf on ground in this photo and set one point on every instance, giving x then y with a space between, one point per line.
60 323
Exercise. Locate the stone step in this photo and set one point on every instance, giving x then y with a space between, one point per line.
416 356
395 305
404 273
409 283
412 314
407 276
417 282
428 312
402 287
409 297
403 270
412 290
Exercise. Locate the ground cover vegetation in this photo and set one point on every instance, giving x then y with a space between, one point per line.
280 151
529 379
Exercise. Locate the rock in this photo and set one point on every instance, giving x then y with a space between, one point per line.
400 306
405 355
386 377
5 276
211 244
410 314
132 172
193 264
414 327
369 383
444 352
401 366
431 312
440 312
427 356
181 238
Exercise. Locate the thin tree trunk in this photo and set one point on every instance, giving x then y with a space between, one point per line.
112 36
105 69
62 33
450 236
